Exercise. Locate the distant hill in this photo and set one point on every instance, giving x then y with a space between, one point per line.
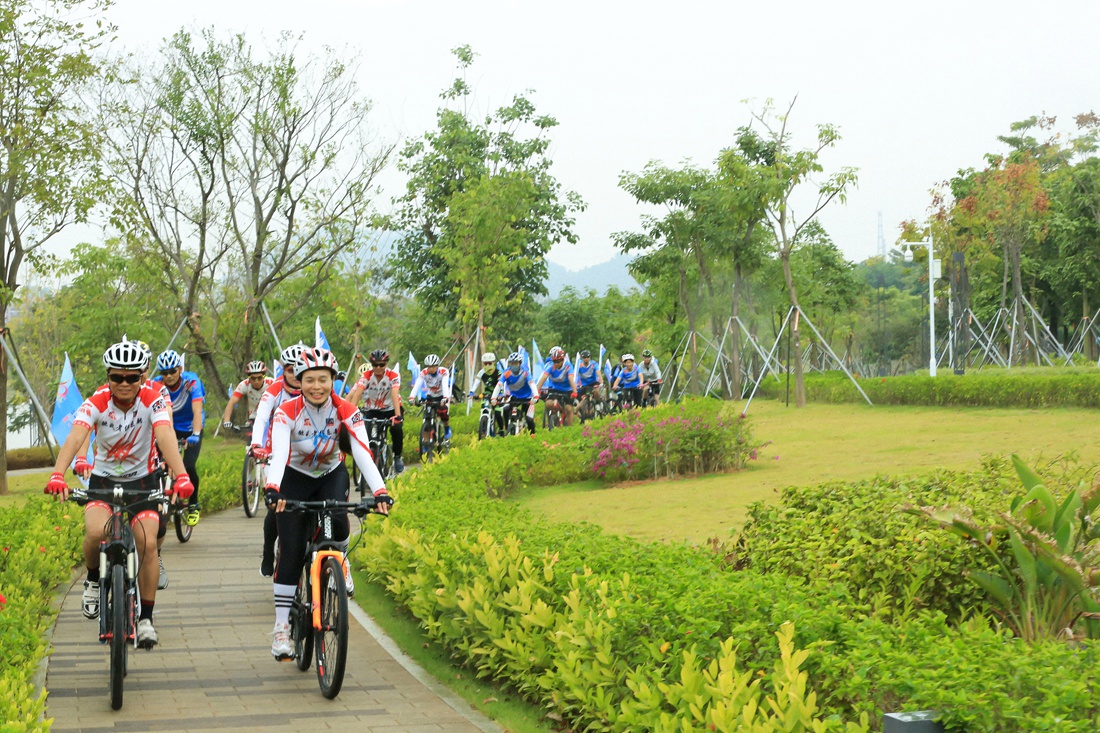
598 277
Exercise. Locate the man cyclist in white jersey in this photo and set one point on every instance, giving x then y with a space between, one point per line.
252 388
432 385
377 393
127 416
651 377
307 464
285 387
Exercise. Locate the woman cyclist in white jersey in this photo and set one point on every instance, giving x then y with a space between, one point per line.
308 465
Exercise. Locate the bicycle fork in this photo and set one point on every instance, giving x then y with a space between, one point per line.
315 581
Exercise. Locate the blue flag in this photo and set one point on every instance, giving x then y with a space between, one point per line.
65 405
413 367
607 370
320 341
526 361
536 361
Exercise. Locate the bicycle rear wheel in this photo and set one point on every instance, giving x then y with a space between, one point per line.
301 623
331 643
117 611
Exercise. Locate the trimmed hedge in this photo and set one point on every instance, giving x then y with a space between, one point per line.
1031 388
608 632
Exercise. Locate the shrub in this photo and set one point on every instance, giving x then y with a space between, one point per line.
1031 388
35 457
697 438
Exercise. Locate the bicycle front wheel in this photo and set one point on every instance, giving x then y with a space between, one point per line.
301 623
331 642
427 444
250 488
117 615
183 529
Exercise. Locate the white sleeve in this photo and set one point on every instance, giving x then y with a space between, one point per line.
418 386
280 448
263 416
499 389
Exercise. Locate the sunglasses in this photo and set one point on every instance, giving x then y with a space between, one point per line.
169 371
127 378
377 364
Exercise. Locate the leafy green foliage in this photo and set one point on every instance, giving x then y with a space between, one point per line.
1045 583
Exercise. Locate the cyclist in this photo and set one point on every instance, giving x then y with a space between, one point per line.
563 385
432 384
516 384
588 377
127 415
379 390
651 377
489 376
630 379
253 387
286 387
187 397
307 464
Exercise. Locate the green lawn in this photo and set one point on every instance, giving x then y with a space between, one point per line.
819 443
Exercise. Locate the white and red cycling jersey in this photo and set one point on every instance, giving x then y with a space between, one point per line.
378 391
124 447
431 385
254 394
306 438
163 390
276 394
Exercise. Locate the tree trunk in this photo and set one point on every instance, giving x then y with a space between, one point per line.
4 372
206 355
685 300
796 341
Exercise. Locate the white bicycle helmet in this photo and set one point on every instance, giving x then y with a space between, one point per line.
126 355
290 355
256 367
432 360
515 358
627 357
169 360
315 359
488 357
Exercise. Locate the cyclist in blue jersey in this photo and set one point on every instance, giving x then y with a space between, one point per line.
630 380
517 385
562 388
588 376
188 396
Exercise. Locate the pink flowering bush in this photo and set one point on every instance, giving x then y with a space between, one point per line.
702 436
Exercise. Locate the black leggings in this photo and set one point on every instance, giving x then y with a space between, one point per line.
397 432
190 458
514 409
296 528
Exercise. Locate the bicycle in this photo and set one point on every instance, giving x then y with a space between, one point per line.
252 476
652 393
432 441
487 422
319 612
515 422
587 406
378 440
118 569
174 510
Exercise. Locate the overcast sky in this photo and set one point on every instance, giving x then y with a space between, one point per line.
918 89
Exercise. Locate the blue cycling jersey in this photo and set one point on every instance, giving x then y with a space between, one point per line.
631 379
558 378
519 383
589 374
187 391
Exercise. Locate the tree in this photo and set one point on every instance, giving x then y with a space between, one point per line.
786 170
1008 205
48 143
463 152
487 224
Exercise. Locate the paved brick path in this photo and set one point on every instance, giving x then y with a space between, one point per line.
213 670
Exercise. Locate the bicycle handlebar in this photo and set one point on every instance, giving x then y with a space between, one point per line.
115 496
360 509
